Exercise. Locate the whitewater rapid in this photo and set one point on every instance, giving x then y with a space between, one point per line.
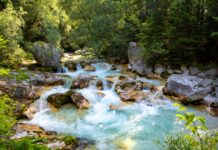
136 126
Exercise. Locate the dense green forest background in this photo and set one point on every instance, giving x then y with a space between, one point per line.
170 31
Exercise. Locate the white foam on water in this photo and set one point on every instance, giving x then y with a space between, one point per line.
134 126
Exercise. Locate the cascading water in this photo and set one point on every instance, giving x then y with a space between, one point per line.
133 126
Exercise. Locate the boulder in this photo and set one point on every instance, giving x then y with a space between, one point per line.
100 85
214 108
46 54
133 95
46 80
56 145
80 101
27 127
113 60
185 70
60 99
211 74
216 83
216 92
26 92
20 91
89 68
159 70
128 84
188 88
153 76
136 59
207 100
194 70
71 65
111 79
113 67
31 111
81 82
130 90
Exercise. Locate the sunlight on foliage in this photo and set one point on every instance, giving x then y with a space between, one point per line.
199 137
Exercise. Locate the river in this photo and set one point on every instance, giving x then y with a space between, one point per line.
136 126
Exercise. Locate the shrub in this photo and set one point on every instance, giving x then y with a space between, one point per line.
199 137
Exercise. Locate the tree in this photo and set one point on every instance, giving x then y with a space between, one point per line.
10 28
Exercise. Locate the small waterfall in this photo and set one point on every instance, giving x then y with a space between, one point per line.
78 67
115 82
65 69
68 83
62 69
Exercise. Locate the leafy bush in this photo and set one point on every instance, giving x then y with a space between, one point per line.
11 23
7 117
199 137
21 144
18 75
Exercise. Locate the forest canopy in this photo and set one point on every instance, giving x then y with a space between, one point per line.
169 31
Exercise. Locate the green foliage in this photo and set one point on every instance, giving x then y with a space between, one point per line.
18 75
7 118
170 31
11 22
44 19
198 136
21 144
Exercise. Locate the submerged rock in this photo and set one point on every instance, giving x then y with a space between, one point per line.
46 54
80 101
188 88
136 59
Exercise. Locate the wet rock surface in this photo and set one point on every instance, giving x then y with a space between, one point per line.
100 85
71 65
53 140
81 82
188 88
46 54
136 59
70 97
60 99
20 91
130 90
80 101
89 68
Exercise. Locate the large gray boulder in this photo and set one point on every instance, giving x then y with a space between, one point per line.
136 59
46 54
188 88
